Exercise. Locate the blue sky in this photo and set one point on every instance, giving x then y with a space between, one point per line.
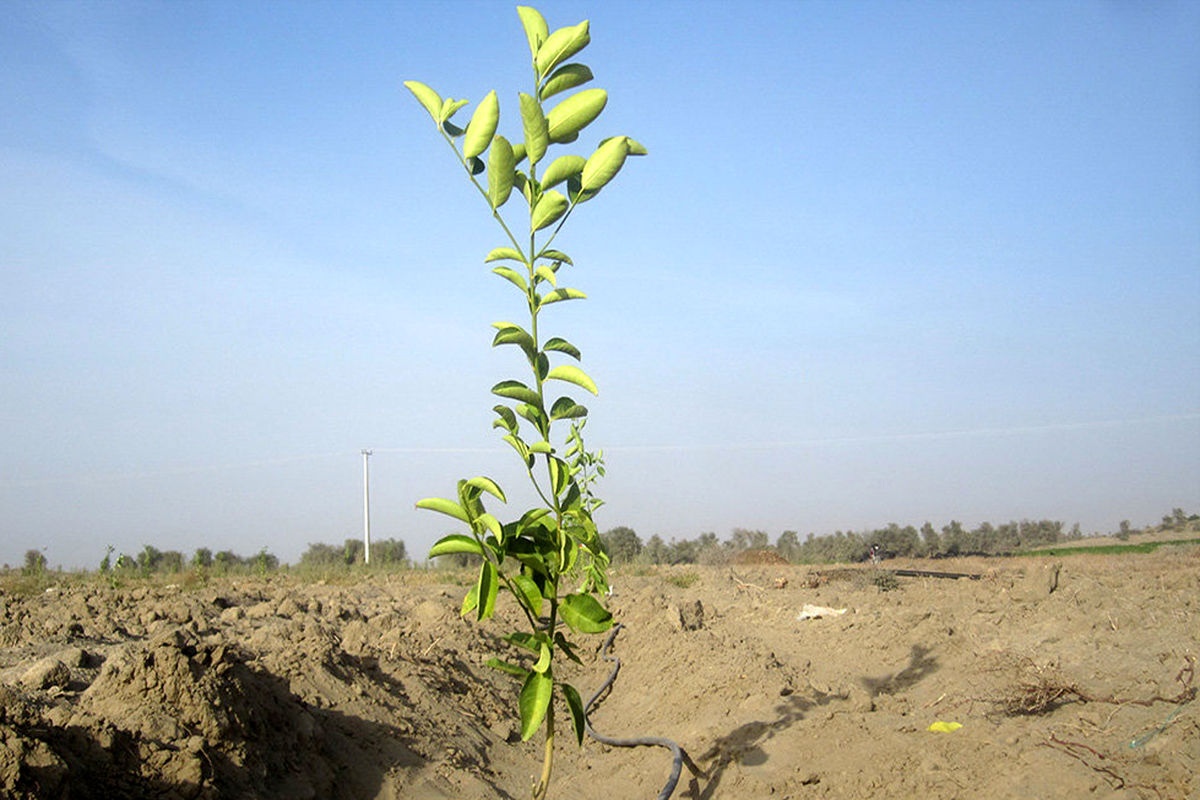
885 262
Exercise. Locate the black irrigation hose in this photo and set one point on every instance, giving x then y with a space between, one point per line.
925 573
642 741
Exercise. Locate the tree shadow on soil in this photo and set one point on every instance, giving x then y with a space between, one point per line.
744 744
920 665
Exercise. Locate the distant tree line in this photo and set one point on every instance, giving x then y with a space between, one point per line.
625 546
1177 520
383 551
151 561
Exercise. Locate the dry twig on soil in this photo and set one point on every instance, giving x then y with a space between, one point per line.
743 583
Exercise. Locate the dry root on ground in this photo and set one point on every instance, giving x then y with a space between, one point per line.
1027 687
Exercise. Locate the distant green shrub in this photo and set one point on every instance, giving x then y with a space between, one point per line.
683 580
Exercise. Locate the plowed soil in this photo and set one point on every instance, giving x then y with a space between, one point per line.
1067 682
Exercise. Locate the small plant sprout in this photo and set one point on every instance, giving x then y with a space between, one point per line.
550 559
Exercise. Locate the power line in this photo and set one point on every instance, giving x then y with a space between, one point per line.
906 437
1014 430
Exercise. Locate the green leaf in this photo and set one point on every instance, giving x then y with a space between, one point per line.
568 76
455 543
636 148
482 126
536 29
521 183
571 115
506 325
468 499
562 168
572 374
572 501
507 420
471 601
531 558
488 485
522 449
492 524
559 46
584 614
546 274
562 346
487 587
518 151
502 253
555 255
512 276
529 592
517 391
532 517
504 666
452 130
427 97
529 641
544 658
549 208
514 335
559 295
560 474
444 506
449 107
566 408
501 168
566 647
572 556
576 192
541 447
575 704
533 702
533 122
475 165
534 415
604 164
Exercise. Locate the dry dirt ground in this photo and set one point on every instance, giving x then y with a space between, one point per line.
278 688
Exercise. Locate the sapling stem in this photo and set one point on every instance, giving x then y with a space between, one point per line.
543 784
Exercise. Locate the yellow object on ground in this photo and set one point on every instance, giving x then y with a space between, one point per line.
944 727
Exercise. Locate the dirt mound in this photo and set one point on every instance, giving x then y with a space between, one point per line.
281 689
254 692
759 557
171 717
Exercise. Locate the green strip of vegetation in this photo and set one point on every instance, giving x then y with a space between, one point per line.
1108 549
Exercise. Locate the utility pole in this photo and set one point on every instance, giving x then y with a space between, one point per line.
366 508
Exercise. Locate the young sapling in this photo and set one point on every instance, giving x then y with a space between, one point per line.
550 559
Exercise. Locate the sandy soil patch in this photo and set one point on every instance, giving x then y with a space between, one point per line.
280 689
